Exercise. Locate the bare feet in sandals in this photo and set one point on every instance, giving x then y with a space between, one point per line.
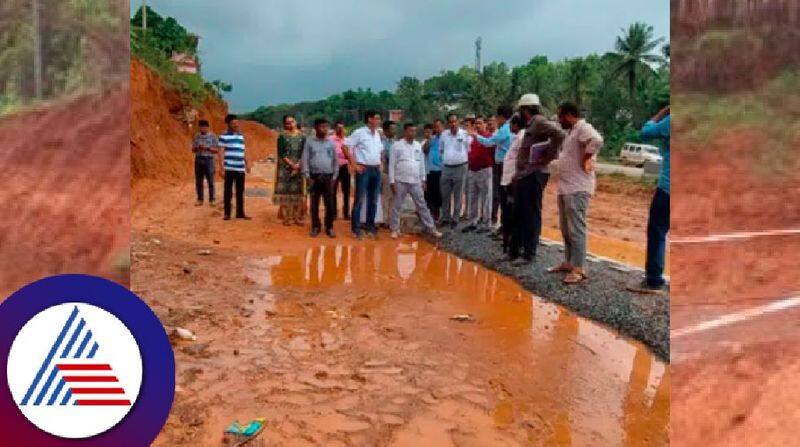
575 276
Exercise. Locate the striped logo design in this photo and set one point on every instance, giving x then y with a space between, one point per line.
80 367
73 378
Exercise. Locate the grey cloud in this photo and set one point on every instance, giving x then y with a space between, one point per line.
274 52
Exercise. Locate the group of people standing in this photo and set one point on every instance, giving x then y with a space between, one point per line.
468 172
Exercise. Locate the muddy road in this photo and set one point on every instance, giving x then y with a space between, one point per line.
341 342
736 291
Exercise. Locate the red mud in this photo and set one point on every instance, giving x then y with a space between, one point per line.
735 385
66 189
161 136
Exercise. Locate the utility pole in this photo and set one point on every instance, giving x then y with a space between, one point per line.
478 45
37 50
144 15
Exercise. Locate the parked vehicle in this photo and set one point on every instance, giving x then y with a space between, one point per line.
637 154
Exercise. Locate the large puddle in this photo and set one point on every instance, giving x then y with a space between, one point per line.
585 383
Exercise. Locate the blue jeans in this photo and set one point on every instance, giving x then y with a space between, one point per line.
368 186
657 229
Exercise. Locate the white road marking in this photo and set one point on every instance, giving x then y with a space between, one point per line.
738 235
737 317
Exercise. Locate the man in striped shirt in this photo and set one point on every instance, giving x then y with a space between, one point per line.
235 164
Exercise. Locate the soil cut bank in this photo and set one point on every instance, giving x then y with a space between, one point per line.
163 124
66 189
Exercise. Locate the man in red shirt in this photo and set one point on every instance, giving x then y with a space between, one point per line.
479 180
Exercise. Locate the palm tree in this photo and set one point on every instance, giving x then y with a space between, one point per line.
634 54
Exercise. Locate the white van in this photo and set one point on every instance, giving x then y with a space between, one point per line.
637 154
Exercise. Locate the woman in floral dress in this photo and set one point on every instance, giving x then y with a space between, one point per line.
289 183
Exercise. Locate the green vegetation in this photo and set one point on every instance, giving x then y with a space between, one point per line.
773 109
618 90
80 44
155 47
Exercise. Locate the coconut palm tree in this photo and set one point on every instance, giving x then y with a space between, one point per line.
634 54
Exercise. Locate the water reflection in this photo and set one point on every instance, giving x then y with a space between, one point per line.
573 362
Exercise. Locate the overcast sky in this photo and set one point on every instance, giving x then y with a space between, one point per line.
275 52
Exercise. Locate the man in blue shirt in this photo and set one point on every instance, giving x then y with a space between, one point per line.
501 140
658 128
433 165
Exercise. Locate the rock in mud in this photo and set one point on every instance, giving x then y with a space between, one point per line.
183 334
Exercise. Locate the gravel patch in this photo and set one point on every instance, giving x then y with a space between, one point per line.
602 297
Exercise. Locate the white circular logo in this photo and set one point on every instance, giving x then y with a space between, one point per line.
74 370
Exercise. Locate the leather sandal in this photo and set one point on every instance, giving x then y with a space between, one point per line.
574 278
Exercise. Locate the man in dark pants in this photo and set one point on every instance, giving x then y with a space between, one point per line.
235 164
538 148
321 166
363 148
658 222
433 164
343 178
204 146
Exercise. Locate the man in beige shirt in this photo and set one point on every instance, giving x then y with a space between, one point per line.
576 185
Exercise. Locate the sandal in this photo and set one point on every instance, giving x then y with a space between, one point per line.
574 278
237 435
560 268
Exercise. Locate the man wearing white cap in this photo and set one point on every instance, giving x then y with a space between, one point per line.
538 148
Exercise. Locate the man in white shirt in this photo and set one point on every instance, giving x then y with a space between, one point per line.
363 150
407 176
454 144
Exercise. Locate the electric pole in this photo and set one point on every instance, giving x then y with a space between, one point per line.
144 15
37 50
478 45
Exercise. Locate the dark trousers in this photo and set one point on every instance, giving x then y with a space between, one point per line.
657 229
204 170
344 180
527 212
497 190
506 214
433 193
322 187
368 186
234 178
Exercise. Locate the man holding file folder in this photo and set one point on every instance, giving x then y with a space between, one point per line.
539 147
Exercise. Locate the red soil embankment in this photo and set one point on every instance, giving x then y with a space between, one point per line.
160 136
66 189
736 183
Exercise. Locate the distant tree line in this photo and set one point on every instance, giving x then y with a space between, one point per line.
617 90
730 45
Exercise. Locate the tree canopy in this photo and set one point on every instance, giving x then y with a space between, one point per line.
80 44
602 85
